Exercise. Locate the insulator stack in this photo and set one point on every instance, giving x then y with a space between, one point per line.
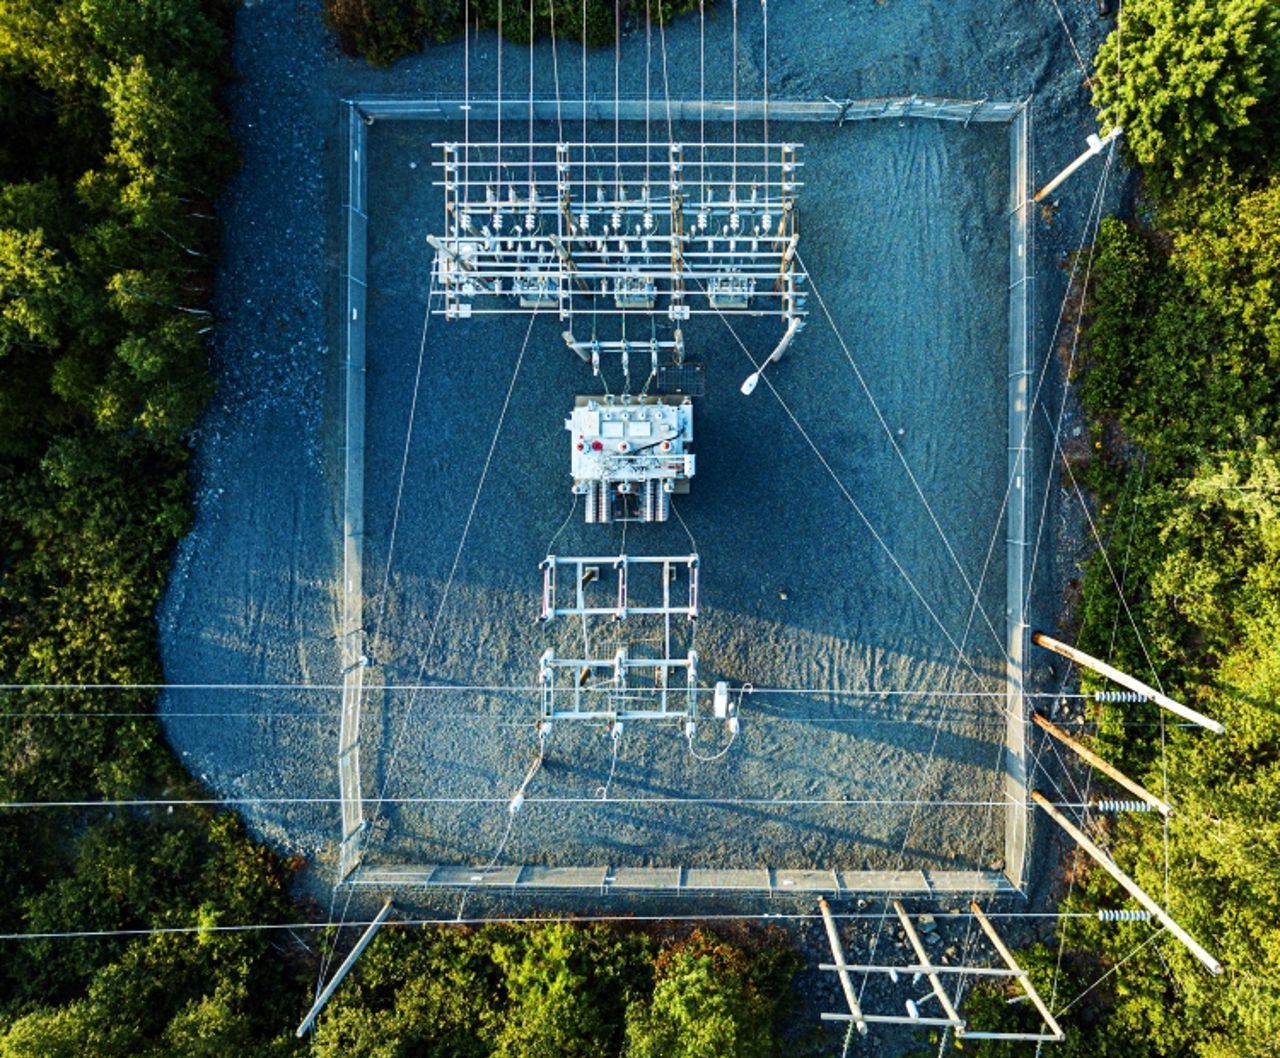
1119 696
592 505
656 502
1114 807
1122 915
599 503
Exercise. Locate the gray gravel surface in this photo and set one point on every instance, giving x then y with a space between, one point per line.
906 239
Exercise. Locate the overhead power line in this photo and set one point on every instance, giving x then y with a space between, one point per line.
728 802
257 927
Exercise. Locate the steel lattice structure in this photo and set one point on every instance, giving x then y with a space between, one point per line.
620 229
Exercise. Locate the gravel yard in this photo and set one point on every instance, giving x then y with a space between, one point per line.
906 237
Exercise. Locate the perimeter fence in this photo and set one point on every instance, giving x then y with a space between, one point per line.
361 113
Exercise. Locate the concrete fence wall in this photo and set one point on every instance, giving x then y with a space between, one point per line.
1020 280
679 881
358 114
354 288
600 109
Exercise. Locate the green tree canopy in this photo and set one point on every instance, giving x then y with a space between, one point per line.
1193 82
708 1001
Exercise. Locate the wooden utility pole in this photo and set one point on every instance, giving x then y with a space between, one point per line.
347 963
1095 144
934 981
837 951
1018 971
1088 755
1106 863
1137 686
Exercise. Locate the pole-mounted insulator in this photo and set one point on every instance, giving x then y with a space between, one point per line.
1120 696
1123 915
1114 807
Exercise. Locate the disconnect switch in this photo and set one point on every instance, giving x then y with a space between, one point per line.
720 700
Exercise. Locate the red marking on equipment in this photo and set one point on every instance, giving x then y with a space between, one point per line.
596 446
623 446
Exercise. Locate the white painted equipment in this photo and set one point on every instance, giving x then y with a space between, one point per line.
629 454
658 680
720 700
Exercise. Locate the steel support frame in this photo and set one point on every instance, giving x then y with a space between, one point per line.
623 607
510 244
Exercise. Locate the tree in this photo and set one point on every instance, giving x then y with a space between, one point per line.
70 48
568 989
1193 83
165 124
707 1003
31 278
109 121
1229 250
429 994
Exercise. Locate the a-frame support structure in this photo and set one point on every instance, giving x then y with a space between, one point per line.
924 966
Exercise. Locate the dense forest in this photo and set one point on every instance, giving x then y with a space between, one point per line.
1179 373
385 30
1180 376
113 148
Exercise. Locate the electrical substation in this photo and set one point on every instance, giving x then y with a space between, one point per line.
713 595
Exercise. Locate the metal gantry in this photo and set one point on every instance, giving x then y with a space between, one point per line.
620 229
655 680
636 237
950 1017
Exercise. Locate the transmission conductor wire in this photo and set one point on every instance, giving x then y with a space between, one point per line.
648 94
531 187
532 920
1101 546
733 184
656 799
666 86
1065 29
902 459
961 656
404 465
702 103
466 110
1110 970
764 5
499 153
1093 222
883 544
490 688
975 597
371 828
555 71
457 558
